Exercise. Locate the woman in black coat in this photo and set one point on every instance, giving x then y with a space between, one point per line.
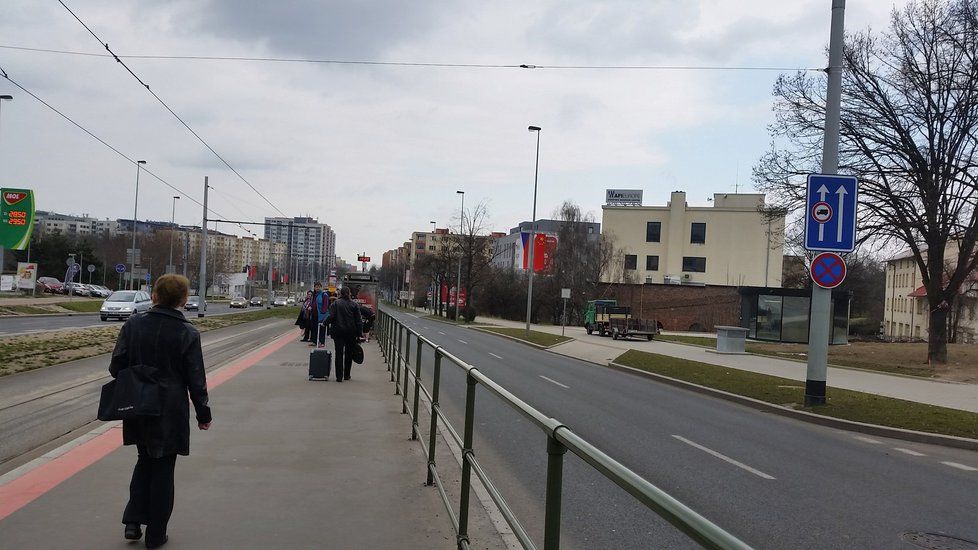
161 338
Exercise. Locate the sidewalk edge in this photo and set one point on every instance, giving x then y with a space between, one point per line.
520 340
838 423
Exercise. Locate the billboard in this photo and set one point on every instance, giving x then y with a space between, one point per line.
545 248
16 218
26 275
623 197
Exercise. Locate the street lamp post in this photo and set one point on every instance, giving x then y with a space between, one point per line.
172 231
3 98
533 227
135 209
461 230
434 278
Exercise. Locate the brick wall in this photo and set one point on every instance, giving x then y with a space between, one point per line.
679 307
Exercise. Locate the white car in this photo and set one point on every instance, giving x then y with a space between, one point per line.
123 303
280 301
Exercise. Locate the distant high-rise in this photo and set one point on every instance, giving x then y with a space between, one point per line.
311 245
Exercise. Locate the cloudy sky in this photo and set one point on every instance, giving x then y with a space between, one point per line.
378 151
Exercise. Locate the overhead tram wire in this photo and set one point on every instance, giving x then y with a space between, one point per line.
418 64
167 107
114 149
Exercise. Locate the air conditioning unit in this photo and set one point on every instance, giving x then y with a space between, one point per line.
649 280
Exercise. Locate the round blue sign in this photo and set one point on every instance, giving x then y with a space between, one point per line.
828 270
120 268
147 277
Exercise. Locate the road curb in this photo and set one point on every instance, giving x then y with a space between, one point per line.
35 315
520 340
838 423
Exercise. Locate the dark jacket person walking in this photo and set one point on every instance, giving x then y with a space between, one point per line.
164 339
346 328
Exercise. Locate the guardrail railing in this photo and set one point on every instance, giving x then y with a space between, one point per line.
395 341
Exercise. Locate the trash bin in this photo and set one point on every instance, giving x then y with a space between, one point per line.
731 339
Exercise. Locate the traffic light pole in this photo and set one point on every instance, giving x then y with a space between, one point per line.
821 305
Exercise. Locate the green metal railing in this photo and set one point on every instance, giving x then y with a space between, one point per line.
395 341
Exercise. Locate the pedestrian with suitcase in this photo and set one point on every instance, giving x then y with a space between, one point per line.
320 360
346 328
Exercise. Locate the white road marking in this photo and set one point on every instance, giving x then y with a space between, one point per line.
868 440
494 355
724 457
960 466
463 341
440 332
552 381
425 328
908 452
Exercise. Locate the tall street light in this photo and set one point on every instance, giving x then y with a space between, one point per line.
533 236
434 278
135 209
172 231
3 98
461 230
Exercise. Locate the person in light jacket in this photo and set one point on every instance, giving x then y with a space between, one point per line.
346 328
161 338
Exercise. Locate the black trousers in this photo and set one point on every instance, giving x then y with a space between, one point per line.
151 494
344 354
310 331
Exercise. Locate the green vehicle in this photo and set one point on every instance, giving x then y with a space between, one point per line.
600 313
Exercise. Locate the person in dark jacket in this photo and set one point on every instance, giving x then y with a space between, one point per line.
320 306
304 322
161 338
346 327
367 314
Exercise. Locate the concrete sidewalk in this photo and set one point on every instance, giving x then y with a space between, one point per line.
288 463
595 349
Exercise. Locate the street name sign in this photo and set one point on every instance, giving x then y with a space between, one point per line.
830 213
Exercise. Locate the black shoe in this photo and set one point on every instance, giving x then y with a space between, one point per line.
157 543
133 532
303 340
338 379
346 378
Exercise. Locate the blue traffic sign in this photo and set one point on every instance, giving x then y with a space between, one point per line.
120 268
147 277
828 270
830 213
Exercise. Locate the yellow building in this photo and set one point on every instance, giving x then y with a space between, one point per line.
731 242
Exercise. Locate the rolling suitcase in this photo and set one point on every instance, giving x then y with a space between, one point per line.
320 360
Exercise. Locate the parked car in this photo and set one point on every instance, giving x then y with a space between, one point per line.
77 289
95 292
50 285
256 302
239 301
123 303
280 301
194 303
106 291
290 301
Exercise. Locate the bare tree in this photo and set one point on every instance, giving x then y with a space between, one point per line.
474 246
909 133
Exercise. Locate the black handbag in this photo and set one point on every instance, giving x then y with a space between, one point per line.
357 354
135 391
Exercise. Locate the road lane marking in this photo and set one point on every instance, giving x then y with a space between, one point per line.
494 355
723 457
442 333
868 440
551 380
463 341
960 466
424 328
908 452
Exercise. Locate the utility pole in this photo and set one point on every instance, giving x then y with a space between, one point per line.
819 327
533 236
202 282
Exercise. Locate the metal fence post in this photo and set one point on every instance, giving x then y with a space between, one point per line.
555 474
407 369
417 391
436 381
396 378
463 508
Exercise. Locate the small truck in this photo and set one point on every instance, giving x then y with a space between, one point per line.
606 317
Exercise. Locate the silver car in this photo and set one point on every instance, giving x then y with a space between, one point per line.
123 303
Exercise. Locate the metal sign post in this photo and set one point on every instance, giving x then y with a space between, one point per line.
565 293
821 305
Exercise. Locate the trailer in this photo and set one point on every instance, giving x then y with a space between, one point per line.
630 327
599 314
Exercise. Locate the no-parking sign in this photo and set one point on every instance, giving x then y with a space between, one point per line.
828 270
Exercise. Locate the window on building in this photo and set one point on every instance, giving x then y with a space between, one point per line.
652 263
431 247
590 230
631 261
653 232
694 264
420 246
697 233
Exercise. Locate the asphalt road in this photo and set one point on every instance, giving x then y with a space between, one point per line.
18 325
40 405
772 481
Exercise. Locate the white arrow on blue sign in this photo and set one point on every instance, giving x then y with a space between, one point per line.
830 213
120 268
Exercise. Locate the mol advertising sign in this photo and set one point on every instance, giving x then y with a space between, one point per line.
16 218
623 197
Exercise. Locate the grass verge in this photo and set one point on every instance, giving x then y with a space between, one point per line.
844 404
33 351
536 337
693 340
90 306
23 310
